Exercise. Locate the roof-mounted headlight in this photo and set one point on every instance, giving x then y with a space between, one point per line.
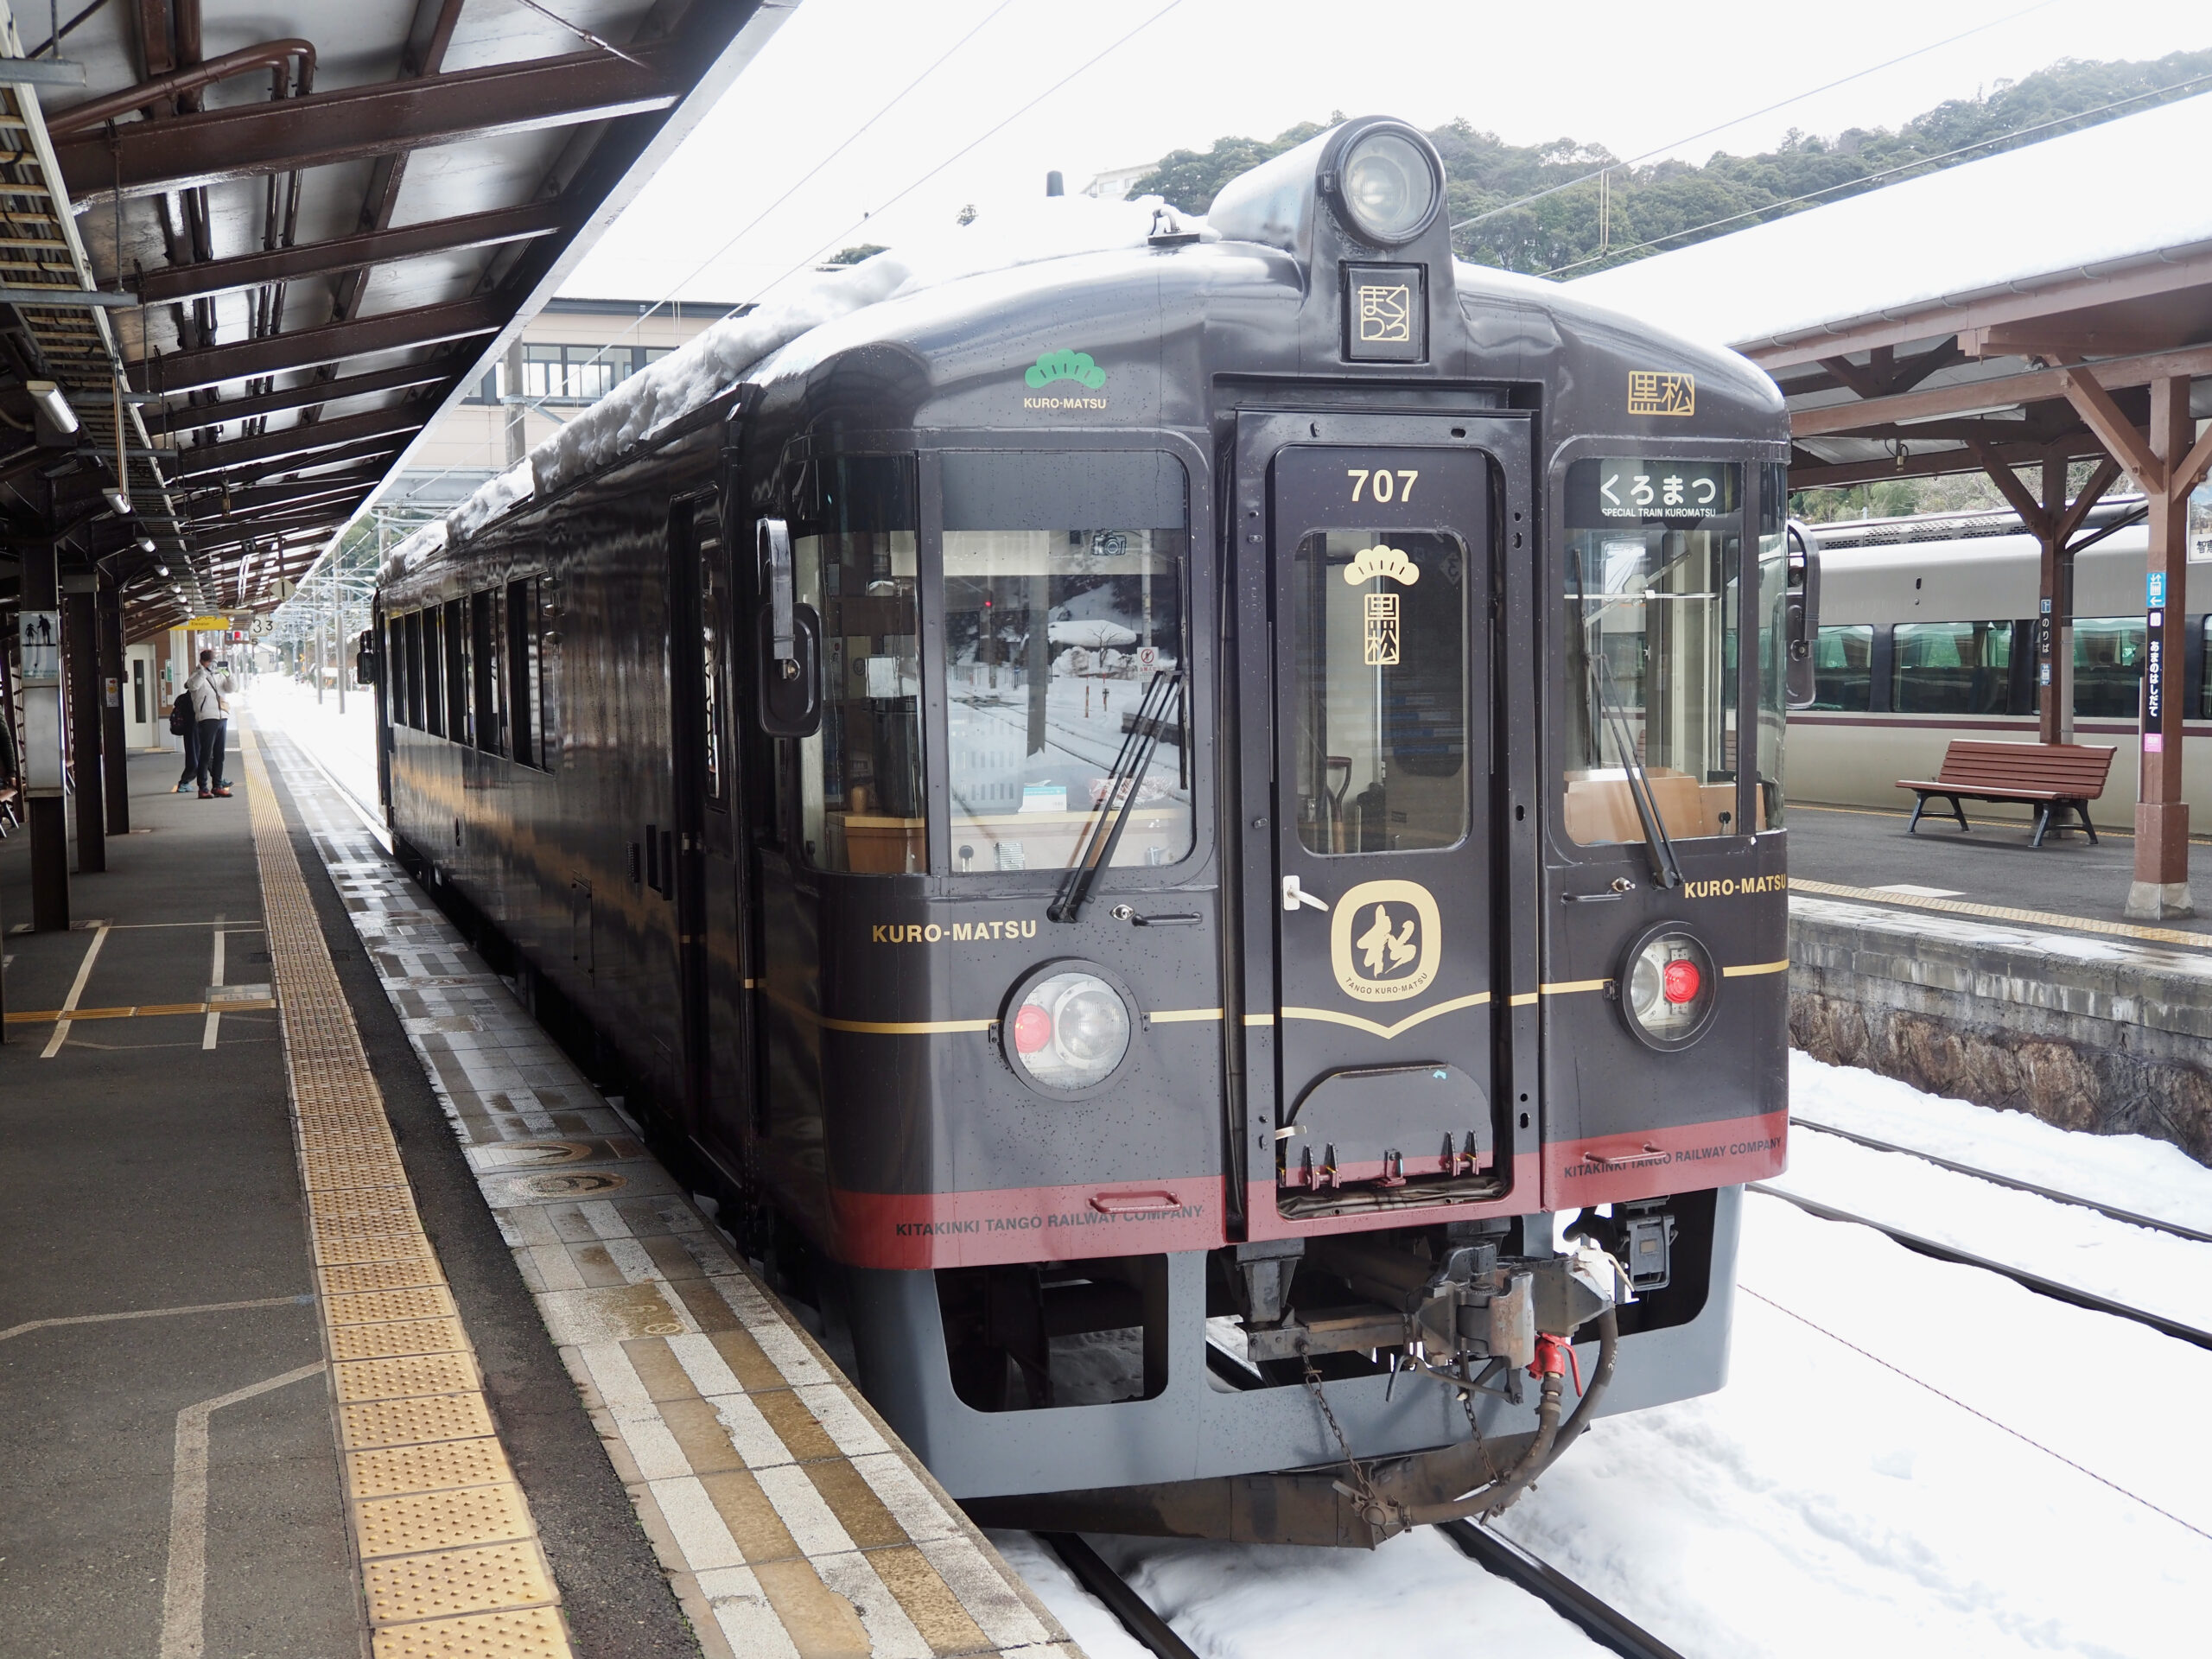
1387 185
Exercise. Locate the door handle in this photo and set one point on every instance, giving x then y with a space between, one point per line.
1294 896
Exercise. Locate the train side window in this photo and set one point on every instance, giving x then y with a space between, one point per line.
484 663
853 559
1843 668
1951 668
433 666
522 670
1064 598
456 670
396 676
2108 667
1650 590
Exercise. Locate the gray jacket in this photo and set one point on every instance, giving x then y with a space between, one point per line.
208 699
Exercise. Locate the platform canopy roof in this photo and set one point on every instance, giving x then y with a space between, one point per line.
1928 328
281 238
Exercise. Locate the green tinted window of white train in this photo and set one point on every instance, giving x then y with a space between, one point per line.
2108 667
1650 591
1951 668
1843 668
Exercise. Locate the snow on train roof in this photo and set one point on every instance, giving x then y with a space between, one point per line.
1023 234
2076 205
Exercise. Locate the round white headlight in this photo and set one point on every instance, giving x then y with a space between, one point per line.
1070 1031
1668 988
1388 186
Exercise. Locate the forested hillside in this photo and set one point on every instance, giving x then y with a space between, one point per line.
1646 210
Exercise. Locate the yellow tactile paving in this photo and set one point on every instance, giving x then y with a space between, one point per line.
443 1463
399 1379
428 1303
394 1337
453 1519
2002 913
450 1582
347 1279
523 1635
408 1422
427 1482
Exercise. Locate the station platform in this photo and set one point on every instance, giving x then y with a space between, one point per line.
344 1316
1981 967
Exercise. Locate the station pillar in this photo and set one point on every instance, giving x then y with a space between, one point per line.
81 651
45 789
114 755
2160 889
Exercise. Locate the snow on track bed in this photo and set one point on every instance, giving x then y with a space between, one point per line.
1822 1503
2130 1171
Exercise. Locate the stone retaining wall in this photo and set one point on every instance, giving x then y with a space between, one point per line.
2089 1033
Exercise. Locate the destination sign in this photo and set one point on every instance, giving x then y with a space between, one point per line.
1624 489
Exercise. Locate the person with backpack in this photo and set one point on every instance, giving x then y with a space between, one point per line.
182 725
211 717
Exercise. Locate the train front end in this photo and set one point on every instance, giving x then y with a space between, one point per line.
1273 968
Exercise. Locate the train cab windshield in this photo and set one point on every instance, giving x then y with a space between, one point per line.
1064 604
1653 562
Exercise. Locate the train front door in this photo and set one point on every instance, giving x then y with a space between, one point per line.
1383 564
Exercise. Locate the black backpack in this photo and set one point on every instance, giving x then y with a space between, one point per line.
180 720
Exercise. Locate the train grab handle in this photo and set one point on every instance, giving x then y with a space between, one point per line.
788 649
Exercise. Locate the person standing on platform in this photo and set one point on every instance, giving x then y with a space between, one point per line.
181 721
211 717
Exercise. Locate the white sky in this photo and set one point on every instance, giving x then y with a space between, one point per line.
1633 77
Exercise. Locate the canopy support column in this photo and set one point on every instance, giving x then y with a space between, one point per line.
2166 467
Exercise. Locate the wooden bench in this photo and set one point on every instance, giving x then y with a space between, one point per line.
2055 779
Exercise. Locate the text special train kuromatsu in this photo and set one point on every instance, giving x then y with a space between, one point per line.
1187 835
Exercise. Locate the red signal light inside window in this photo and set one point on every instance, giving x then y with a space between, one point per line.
1032 1028
1683 981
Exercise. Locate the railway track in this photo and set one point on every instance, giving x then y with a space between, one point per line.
2133 1218
1611 1629
2056 1289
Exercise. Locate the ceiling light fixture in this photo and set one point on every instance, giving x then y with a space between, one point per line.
47 395
119 501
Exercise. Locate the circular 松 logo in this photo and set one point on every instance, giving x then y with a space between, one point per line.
1386 941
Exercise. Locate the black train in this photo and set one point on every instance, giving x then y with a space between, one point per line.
1156 821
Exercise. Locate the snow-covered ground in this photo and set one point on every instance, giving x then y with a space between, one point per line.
1909 1458
2130 1171
343 746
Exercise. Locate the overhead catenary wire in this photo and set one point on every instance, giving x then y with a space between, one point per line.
1738 120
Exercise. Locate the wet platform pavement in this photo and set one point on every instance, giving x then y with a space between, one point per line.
1992 873
342 1315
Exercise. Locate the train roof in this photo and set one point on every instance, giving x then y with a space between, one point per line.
1066 261
1920 530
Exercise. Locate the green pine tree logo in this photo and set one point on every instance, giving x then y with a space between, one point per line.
1077 366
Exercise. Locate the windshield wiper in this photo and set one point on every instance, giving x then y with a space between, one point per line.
1130 766
1664 870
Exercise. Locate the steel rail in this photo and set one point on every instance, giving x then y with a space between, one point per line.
2022 1276
1135 1614
1603 1623
2133 1218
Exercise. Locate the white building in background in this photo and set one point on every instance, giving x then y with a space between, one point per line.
1114 186
571 355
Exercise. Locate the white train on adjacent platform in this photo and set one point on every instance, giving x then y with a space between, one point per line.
1928 632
